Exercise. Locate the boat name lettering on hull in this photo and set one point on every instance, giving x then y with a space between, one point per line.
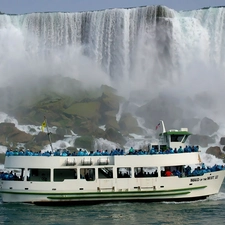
203 179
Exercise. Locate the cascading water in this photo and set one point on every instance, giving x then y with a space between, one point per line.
154 49
122 42
134 49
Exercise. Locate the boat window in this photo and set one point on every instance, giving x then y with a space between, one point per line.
88 174
105 173
163 147
185 139
63 174
171 171
38 174
12 174
156 147
124 172
176 138
166 138
145 172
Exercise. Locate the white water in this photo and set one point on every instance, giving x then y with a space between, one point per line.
179 56
137 142
126 48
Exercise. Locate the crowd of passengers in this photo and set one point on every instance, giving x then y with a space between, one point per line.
117 151
198 171
9 176
175 150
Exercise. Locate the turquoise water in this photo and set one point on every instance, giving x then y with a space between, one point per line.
210 211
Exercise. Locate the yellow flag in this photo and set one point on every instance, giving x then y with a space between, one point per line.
43 126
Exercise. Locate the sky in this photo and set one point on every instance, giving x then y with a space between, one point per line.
29 6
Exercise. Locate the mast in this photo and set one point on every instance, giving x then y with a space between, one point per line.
48 133
163 127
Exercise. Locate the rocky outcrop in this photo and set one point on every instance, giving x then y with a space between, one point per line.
85 142
208 126
160 108
109 105
222 140
201 140
69 106
89 110
128 124
114 136
10 135
216 151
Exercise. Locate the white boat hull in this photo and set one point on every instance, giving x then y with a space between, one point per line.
138 176
139 189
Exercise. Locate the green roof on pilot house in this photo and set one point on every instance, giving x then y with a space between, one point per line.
179 132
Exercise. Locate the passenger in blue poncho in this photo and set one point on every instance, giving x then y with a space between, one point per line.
131 151
180 150
187 171
152 151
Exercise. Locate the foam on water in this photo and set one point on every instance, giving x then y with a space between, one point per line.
210 160
217 197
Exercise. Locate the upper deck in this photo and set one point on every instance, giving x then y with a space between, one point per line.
116 160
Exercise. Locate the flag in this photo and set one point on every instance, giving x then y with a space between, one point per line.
43 125
157 126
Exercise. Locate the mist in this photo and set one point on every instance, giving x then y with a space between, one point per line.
177 57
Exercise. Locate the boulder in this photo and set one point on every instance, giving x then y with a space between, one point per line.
113 135
111 122
86 127
88 110
86 142
161 108
43 138
201 140
110 104
128 124
216 151
208 126
10 134
222 140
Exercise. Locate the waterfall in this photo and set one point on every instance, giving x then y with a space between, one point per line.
146 48
120 41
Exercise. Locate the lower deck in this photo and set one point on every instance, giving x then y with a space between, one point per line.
81 179
124 189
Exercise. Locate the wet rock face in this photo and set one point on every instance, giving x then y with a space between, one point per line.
216 151
84 111
201 140
128 124
10 134
208 126
160 108
222 141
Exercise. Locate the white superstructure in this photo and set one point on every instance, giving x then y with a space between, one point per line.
131 177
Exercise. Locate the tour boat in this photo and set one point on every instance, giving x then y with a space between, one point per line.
166 171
